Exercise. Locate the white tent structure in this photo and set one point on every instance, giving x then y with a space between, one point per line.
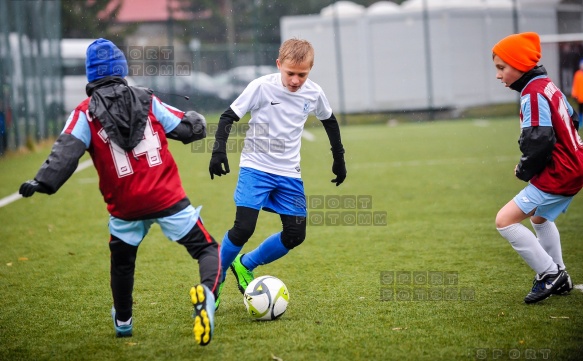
387 57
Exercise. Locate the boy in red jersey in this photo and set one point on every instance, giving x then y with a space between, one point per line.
552 163
125 130
577 89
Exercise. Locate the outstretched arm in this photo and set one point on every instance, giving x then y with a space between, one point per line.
333 132
58 167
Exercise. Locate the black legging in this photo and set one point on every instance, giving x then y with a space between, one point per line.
292 235
199 244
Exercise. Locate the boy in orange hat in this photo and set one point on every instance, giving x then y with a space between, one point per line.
551 161
577 89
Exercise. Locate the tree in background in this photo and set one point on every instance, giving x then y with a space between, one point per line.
217 21
93 19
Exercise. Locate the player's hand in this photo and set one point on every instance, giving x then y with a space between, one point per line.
29 187
218 160
198 124
339 170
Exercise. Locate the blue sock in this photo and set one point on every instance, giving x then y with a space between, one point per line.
268 251
228 254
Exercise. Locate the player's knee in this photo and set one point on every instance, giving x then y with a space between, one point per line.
123 256
293 234
499 221
502 220
241 232
291 240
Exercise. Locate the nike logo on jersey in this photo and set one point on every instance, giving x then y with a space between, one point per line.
275 103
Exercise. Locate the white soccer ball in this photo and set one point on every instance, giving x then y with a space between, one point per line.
266 298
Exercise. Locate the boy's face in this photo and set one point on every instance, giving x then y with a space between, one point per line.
294 75
505 72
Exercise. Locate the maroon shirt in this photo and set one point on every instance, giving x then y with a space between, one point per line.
543 104
142 181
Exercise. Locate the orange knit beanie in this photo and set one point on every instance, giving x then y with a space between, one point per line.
520 51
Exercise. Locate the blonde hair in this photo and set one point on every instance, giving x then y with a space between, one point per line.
296 51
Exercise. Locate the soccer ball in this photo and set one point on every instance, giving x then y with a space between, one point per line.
266 298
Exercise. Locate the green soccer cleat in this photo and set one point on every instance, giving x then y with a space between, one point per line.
244 276
218 300
204 314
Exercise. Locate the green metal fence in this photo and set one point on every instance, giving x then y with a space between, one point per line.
31 90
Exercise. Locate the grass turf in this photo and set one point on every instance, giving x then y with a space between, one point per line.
440 185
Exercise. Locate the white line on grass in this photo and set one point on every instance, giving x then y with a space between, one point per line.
310 137
16 196
11 198
579 287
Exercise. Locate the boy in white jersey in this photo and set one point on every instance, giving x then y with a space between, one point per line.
270 177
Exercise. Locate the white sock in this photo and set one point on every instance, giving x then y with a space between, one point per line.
526 244
124 323
550 239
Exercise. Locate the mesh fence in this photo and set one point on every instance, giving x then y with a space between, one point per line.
31 94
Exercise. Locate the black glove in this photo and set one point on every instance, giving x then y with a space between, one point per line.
339 170
575 119
28 188
219 159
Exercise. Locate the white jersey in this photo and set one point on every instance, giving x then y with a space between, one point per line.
273 140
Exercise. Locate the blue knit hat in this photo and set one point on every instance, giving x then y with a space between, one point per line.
104 59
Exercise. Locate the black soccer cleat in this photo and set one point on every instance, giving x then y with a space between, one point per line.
566 287
544 286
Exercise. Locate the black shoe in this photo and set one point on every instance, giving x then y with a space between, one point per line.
544 286
566 287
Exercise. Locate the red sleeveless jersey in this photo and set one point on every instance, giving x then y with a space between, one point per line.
142 181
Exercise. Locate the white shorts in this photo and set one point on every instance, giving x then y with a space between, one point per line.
548 206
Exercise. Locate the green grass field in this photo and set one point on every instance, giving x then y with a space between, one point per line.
440 184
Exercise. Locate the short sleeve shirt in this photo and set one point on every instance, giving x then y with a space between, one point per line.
273 141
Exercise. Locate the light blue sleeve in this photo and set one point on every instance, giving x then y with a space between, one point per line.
78 127
165 114
544 112
569 107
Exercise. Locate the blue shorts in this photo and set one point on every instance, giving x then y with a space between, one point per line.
174 227
548 206
271 192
